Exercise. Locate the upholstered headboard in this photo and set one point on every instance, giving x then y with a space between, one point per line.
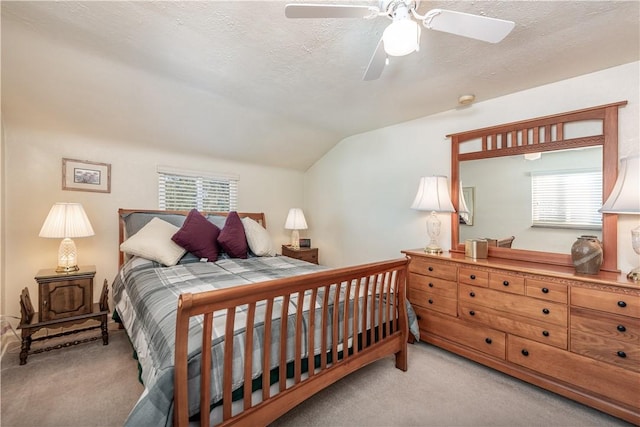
132 220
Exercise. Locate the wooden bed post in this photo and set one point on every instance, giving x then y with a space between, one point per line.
180 399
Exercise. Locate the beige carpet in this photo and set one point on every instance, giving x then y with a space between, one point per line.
95 385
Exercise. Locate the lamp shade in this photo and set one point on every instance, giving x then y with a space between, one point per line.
625 196
295 220
433 195
66 220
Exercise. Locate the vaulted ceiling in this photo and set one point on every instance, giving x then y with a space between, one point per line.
238 80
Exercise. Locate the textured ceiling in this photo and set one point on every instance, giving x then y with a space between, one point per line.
239 81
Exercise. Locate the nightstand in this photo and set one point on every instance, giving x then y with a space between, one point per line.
63 295
304 254
64 299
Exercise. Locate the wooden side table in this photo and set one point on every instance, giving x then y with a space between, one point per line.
304 254
65 299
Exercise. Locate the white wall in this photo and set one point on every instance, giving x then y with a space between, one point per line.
358 195
32 177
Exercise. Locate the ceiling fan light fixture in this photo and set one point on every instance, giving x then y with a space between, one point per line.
401 37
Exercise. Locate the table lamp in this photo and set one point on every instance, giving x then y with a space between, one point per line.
433 195
625 200
66 220
295 221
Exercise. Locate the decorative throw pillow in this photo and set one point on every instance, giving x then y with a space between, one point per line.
232 238
198 236
153 242
258 238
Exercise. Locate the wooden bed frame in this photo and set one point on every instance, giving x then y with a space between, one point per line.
333 361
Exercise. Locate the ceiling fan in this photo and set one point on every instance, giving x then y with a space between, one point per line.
402 36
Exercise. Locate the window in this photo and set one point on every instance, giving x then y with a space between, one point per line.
567 199
185 190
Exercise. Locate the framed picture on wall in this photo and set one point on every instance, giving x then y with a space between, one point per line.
82 175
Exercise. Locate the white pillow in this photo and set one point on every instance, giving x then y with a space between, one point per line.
153 241
258 238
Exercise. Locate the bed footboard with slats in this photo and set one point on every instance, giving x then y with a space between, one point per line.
346 318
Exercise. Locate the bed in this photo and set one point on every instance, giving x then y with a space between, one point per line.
256 366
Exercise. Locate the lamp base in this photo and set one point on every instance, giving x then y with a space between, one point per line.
67 269
295 240
433 249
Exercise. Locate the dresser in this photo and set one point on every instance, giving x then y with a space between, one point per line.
573 334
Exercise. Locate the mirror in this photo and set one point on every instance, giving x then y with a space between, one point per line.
513 176
490 164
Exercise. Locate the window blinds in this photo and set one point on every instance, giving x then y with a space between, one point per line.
185 190
567 199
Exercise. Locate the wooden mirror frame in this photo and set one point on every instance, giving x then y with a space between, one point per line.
514 139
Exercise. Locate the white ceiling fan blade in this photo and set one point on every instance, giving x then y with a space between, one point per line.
478 27
329 11
376 64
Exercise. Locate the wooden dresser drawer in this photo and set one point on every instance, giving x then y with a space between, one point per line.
480 338
435 302
609 381
619 353
610 302
433 268
608 337
543 311
446 288
506 282
606 325
517 325
473 277
546 290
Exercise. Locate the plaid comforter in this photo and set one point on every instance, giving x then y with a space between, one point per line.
146 296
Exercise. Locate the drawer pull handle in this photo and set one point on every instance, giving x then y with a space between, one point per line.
431 285
545 333
505 283
473 313
621 328
525 352
473 277
472 294
545 290
430 269
622 304
545 310
622 354
488 340
430 301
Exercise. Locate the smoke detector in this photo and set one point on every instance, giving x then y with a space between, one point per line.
466 99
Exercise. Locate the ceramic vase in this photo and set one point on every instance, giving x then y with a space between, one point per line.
586 254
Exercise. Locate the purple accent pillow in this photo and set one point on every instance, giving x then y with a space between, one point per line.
232 238
198 236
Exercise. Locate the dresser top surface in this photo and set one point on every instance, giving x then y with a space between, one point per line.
50 273
603 277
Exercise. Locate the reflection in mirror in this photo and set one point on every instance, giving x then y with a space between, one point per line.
503 199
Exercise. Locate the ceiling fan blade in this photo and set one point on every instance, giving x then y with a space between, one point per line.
478 27
376 64
328 11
